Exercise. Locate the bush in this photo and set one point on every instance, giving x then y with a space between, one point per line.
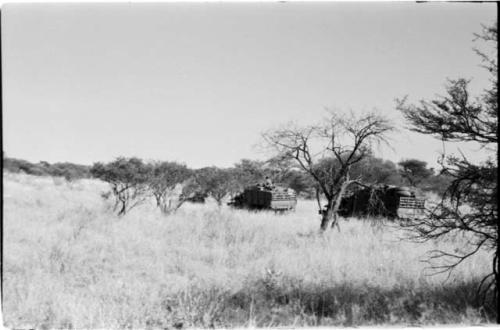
170 184
128 178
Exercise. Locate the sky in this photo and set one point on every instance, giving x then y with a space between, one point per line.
199 83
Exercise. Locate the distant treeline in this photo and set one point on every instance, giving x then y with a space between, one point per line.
371 170
67 170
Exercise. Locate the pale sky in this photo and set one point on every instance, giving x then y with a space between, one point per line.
199 83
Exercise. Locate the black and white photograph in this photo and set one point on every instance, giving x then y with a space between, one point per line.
272 164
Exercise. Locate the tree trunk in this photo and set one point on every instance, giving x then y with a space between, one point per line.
338 200
496 270
335 220
123 209
327 216
496 294
158 200
318 198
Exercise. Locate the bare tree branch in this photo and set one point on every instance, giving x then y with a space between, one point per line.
342 140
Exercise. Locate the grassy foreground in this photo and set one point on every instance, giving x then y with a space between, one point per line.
69 262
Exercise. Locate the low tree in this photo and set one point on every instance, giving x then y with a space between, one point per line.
245 173
278 168
215 182
69 171
327 151
128 179
171 185
287 173
414 171
301 182
459 117
373 170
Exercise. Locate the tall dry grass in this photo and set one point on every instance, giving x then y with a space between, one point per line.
70 263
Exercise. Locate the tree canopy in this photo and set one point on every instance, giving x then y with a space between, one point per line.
128 178
414 171
328 150
461 117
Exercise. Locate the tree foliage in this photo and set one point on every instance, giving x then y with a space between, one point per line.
414 171
128 178
215 182
285 172
67 170
455 117
373 170
470 203
170 184
300 182
247 172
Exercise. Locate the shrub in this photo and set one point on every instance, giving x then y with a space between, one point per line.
128 178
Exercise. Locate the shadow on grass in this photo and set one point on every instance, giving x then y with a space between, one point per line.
272 302
275 301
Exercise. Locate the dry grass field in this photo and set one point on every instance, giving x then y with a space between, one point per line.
70 263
